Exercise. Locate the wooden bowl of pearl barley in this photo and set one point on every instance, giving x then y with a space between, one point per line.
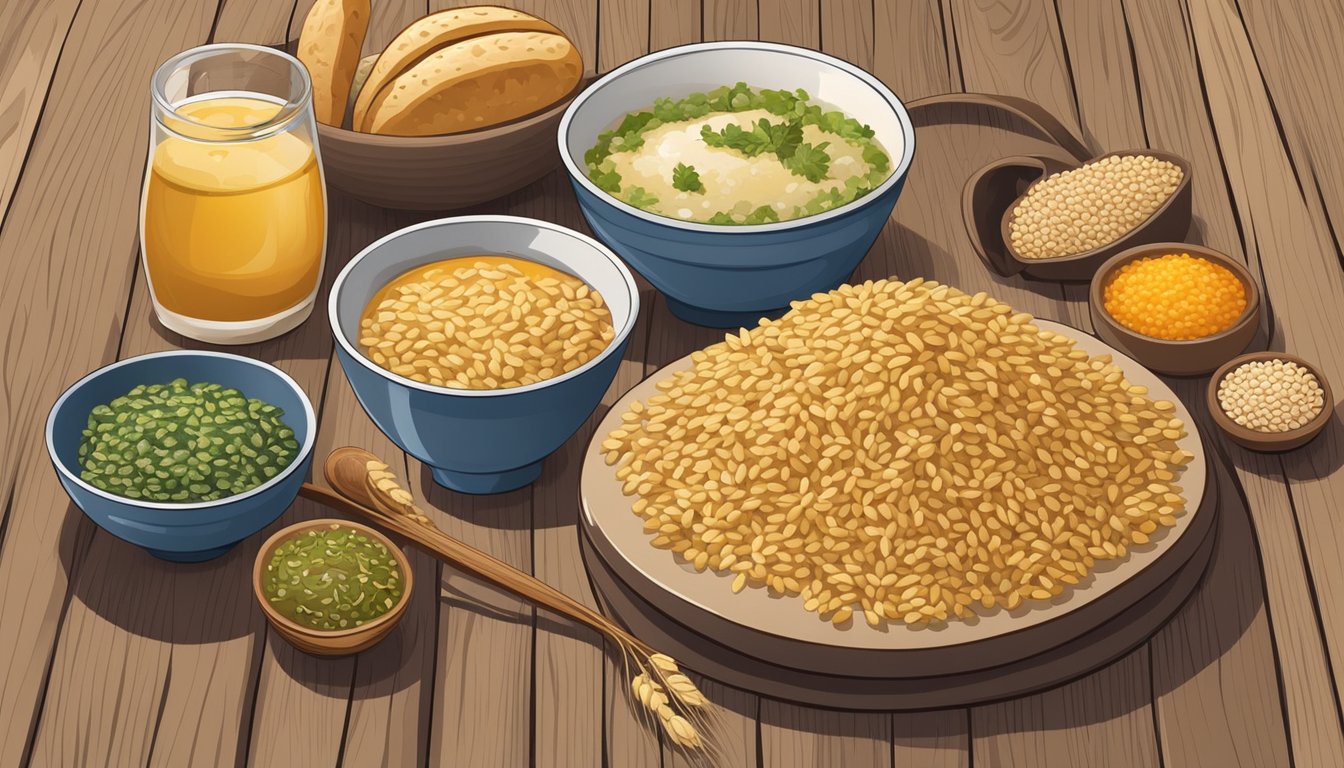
1069 220
1270 401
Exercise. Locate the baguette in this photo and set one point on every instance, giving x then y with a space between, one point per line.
333 33
435 31
476 83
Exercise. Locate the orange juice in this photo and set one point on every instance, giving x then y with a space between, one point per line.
233 231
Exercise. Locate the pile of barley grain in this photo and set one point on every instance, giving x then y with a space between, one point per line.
900 450
486 326
1085 208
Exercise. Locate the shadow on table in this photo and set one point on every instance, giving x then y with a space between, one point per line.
178 603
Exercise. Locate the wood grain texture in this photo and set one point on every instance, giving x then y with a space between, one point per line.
796 22
266 22
1100 720
67 249
847 31
730 19
931 739
1168 77
32 36
793 735
1295 49
482 708
1216 695
1012 47
673 22
623 32
913 58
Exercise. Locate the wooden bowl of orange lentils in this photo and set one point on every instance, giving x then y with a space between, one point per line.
1178 308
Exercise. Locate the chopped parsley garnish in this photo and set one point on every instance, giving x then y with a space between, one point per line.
640 197
686 179
809 161
781 136
779 139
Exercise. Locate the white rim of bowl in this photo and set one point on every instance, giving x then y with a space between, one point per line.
333 316
894 101
304 449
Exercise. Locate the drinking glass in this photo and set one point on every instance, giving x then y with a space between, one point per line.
233 218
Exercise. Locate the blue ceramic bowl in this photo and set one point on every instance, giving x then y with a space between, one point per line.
480 441
726 276
182 532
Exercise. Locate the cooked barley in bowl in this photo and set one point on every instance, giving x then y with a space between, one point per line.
901 451
484 322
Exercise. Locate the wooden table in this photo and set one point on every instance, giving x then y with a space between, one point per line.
110 657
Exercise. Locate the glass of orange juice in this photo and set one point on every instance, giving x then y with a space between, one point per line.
233 219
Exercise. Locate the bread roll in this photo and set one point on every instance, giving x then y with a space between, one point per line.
475 83
435 31
329 47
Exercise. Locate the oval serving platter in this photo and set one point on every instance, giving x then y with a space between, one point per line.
778 631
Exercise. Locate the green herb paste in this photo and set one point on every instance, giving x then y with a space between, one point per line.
332 578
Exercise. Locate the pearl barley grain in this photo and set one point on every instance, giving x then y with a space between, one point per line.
1088 207
485 322
901 452
1271 395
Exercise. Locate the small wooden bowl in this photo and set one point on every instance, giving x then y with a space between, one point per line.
993 192
1269 442
1191 357
337 642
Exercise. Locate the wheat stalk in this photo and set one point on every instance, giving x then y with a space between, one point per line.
661 688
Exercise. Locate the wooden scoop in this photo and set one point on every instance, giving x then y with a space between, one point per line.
992 192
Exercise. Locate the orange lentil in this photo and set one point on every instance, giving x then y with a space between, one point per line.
1175 297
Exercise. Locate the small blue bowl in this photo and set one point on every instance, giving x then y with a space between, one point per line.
189 532
480 440
728 275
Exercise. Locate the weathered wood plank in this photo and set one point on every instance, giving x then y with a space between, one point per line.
1102 719
266 22
1012 48
63 304
1169 82
623 32
482 709
31 38
1105 86
793 735
1216 696
796 22
914 58
1295 49
847 30
673 22
730 20
931 739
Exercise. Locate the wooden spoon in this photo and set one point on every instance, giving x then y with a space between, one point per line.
364 488
346 469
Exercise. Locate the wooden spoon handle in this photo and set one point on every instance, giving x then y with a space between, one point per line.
480 564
